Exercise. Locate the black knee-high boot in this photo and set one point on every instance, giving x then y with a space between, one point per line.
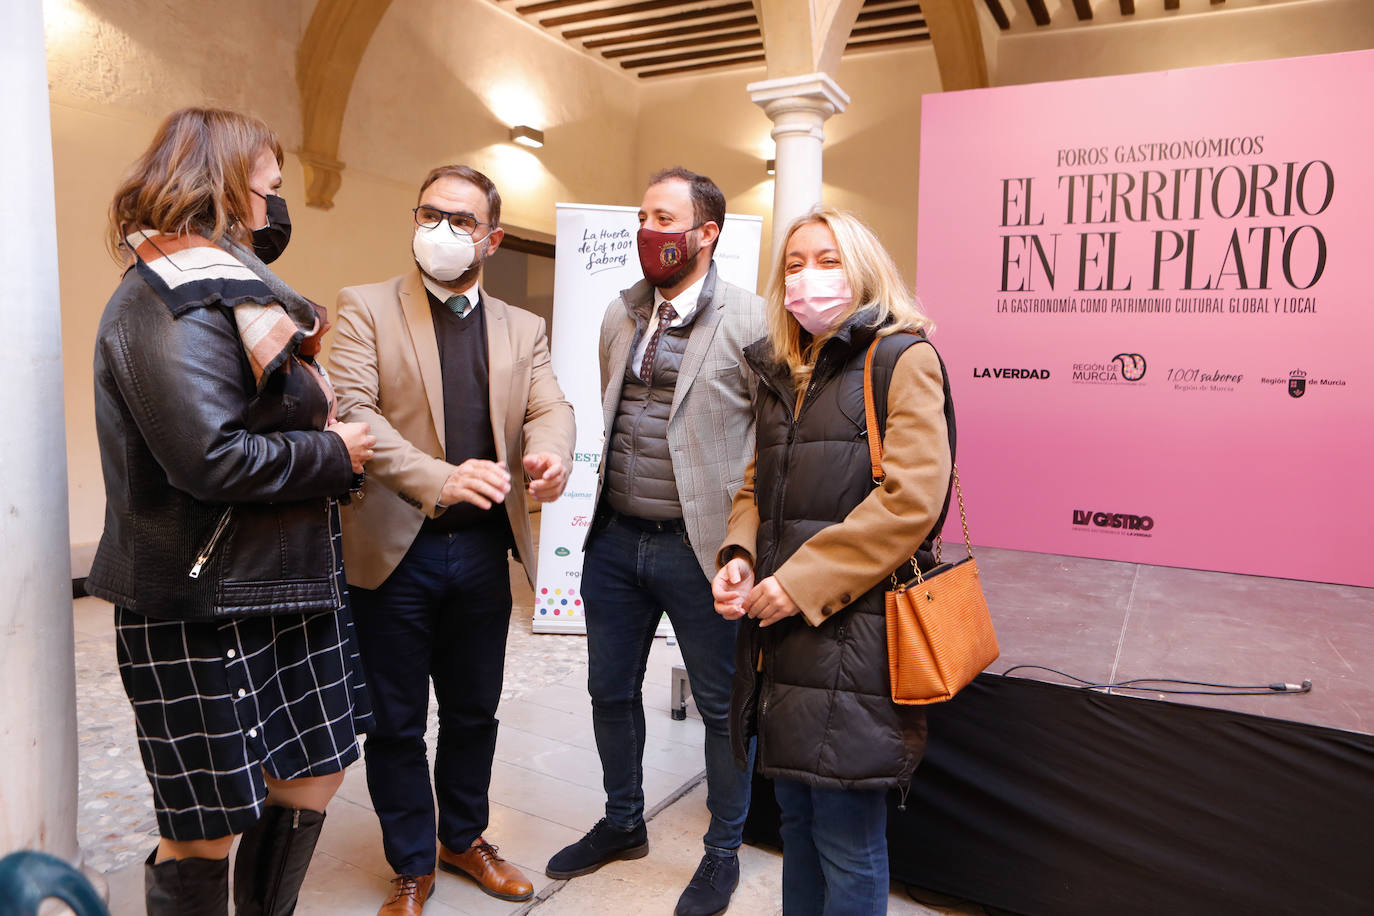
272 859
186 887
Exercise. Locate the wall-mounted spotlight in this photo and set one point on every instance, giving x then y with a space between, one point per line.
771 166
527 136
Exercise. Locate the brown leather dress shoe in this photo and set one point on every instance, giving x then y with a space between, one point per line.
408 896
493 874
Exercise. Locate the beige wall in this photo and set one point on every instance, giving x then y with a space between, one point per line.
425 94
443 80
873 150
115 68
708 124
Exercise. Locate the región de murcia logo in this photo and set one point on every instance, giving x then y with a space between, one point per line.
1299 382
1123 367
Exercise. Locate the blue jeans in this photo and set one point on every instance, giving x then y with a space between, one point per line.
633 572
834 850
443 614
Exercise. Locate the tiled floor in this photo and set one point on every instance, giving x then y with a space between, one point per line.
546 791
1096 619
546 784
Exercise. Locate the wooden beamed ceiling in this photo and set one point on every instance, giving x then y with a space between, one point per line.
656 38
1002 10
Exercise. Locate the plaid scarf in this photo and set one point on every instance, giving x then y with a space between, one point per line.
189 271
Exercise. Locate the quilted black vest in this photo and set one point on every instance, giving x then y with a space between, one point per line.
821 703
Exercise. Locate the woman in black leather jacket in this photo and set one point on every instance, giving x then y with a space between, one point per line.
223 467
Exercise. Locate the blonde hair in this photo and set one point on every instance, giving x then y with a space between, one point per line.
193 178
873 279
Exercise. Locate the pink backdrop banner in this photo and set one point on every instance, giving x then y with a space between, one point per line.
1153 296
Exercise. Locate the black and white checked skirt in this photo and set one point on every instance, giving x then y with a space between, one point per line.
218 703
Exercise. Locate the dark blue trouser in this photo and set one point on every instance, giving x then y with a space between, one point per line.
444 614
834 850
633 572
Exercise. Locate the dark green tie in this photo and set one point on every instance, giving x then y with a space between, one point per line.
459 305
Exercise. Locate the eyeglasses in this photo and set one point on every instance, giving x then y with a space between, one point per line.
429 217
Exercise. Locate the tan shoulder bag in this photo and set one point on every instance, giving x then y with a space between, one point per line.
939 631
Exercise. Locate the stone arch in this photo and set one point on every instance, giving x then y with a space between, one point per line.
326 62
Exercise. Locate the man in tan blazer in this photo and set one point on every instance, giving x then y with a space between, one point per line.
459 390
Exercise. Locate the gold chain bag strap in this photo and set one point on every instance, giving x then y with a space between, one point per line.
939 631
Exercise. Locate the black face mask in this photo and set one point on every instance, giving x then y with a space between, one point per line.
270 241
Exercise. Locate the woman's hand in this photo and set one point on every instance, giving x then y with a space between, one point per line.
358 438
769 602
731 586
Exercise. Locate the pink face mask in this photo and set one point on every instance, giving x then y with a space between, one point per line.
817 298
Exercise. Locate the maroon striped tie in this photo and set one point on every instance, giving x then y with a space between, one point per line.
666 313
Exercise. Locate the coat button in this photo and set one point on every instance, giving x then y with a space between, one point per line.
827 611
844 599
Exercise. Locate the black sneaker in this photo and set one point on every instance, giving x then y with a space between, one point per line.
708 893
603 843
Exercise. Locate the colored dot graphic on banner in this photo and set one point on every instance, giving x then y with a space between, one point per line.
561 602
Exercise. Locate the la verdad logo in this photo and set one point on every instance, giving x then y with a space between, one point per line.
985 372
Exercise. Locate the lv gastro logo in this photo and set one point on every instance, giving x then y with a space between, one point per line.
1112 520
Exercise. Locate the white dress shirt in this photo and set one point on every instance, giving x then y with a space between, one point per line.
443 295
684 305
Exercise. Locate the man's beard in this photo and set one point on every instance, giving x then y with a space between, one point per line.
682 272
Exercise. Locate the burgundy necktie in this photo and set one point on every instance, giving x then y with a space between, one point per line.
666 313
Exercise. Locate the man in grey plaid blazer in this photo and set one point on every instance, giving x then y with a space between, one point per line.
679 434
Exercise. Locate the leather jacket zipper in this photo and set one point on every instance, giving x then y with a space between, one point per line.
204 556
333 557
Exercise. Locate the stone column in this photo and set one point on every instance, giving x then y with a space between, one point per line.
798 107
37 669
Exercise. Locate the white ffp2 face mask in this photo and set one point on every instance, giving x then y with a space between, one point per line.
442 253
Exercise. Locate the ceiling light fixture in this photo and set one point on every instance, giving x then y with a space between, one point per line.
527 136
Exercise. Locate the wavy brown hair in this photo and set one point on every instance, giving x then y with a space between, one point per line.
873 279
193 178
